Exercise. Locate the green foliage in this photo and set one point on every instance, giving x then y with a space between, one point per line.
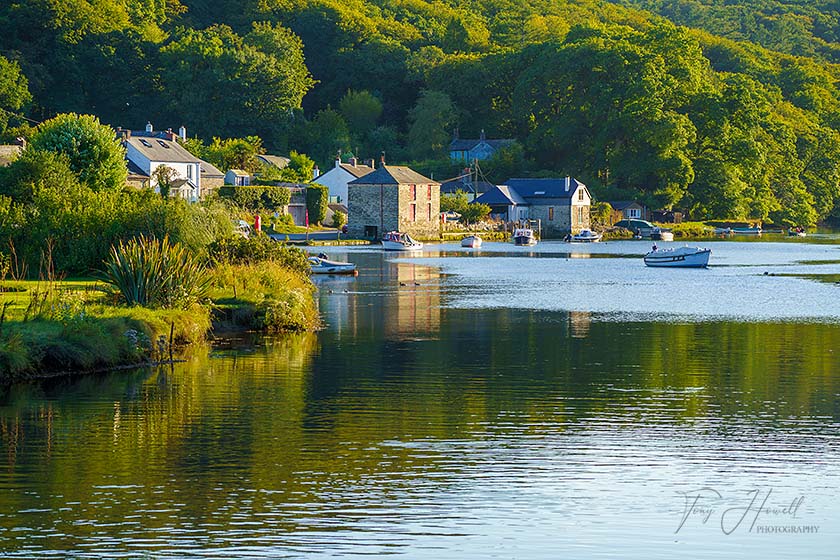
256 249
475 212
361 110
431 119
317 198
455 202
339 219
156 274
600 214
92 149
14 91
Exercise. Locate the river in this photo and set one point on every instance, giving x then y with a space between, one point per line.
555 401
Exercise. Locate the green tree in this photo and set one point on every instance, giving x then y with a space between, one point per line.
92 149
164 176
431 120
475 212
317 198
14 93
361 110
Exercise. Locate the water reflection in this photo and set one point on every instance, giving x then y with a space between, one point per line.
409 427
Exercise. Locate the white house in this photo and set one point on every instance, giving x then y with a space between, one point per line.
146 154
336 179
237 178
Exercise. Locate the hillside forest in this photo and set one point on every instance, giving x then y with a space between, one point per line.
723 109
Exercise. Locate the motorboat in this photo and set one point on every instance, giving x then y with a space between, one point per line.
724 231
586 236
797 232
679 257
398 241
659 234
320 265
524 237
746 231
471 241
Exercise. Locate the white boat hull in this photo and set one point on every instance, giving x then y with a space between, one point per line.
524 241
398 246
680 258
322 266
472 242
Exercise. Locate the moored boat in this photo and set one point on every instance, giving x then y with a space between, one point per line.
797 232
398 241
471 241
320 265
586 236
659 234
524 237
679 257
746 231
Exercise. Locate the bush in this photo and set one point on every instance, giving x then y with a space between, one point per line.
339 219
156 274
317 198
256 249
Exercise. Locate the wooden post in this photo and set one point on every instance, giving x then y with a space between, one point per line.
171 338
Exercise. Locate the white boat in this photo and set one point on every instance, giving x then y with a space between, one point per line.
746 231
586 236
679 257
320 265
398 241
659 234
524 237
471 241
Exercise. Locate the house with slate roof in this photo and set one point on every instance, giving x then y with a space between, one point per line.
470 149
629 209
393 198
561 205
337 178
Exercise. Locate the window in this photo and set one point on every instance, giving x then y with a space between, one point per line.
634 213
145 143
580 215
412 190
412 212
551 213
429 192
163 144
189 172
430 210
580 194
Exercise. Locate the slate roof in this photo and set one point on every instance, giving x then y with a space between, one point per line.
358 170
544 188
134 170
279 162
620 205
162 150
467 144
239 172
337 208
393 175
459 185
210 170
8 153
501 196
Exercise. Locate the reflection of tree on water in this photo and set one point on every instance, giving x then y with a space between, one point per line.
579 323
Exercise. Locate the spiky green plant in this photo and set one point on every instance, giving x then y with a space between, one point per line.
156 273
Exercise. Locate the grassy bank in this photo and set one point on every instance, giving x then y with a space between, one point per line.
75 326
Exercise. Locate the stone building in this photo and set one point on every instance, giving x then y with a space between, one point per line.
561 205
393 198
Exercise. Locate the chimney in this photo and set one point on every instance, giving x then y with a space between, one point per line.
483 136
370 163
338 162
568 181
149 127
20 141
353 161
170 135
182 132
382 159
315 172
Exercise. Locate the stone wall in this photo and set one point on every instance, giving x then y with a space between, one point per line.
388 208
566 218
210 186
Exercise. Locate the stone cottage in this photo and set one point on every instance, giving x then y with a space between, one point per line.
561 205
393 198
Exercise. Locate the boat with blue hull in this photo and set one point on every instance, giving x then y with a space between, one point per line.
679 257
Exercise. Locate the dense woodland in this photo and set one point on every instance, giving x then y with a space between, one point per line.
736 116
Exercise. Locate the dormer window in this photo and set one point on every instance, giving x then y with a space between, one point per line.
580 194
539 192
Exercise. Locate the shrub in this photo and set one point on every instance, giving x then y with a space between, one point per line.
339 219
256 249
317 198
156 274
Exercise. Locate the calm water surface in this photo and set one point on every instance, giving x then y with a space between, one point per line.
559 401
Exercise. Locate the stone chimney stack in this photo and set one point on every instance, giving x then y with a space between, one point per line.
182 132
568 181
149 127
382 159
353 161
315 172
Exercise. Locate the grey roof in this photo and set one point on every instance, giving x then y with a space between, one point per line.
338 208
465 185
357 170
622 204
209 170
501 195
279 162
133 169
466 144
544 188
160 149
9 153
393 175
